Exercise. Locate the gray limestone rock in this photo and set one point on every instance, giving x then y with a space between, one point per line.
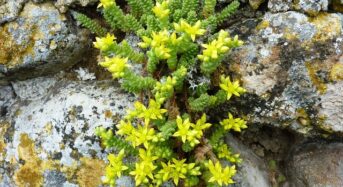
288 61
316 164
40 41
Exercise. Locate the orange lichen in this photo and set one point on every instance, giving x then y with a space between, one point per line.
90 172
3 129
108 114
30 174
328 26
12 53
337 72
312 69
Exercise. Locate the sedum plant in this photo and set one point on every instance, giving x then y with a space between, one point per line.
166 136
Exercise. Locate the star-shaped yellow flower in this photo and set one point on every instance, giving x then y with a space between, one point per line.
104 43
185 132
115 167
192 31
231 88
221 175
161 10
106 3
115 65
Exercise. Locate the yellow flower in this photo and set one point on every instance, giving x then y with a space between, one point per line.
115 65
144 168
179 171
233 123
165 173
192 31
161 10
115 167
164 90
125 128
221 175
231 88
174 40
154 111
159 38
156 40
104 43
201 125
106 3
143 135
224 152
185 132
219 46
162 52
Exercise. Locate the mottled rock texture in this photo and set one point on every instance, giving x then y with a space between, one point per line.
291 63
317 164
50 125
9 9
310 7
253 171
40 40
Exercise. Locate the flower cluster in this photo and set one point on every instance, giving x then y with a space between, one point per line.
230 88
167 134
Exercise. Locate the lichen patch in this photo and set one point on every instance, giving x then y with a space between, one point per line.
90 172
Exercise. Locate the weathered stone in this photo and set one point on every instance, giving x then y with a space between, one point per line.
312 7
7 97
337 5
39 41
316 164
253 170
331 110
49 135
9 9
63 5
288 62
33 89
279 5
255 3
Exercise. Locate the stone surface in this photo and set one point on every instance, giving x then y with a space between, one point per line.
312 7
287 61
9 9
279 5
253 170
317 164
51 131
63 5
39 41
255 3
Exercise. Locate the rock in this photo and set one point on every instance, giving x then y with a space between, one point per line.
288 65
337 5
279 5
7 98
253 170
9 9
316 164
255 3
312 7
47 137
63 5
332 108
33 89
40 41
